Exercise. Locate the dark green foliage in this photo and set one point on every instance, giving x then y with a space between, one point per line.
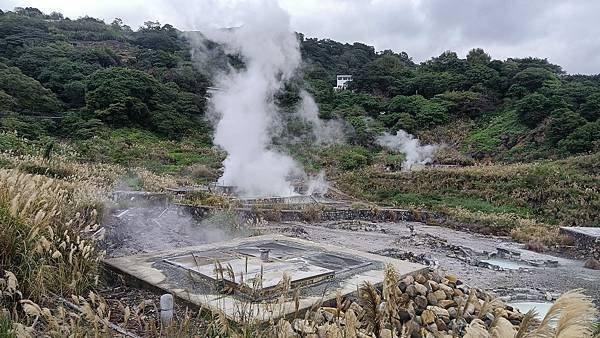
24 126
532 78
353 158
154 36
124 97
466 103
562 123
99 77
47 170
533 108
79 126
426 113
590 109
584 139
478 56
29 94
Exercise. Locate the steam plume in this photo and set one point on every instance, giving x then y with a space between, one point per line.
326 132
245 104
409 145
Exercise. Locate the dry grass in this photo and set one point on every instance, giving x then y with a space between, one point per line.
49 225
527 201
48 228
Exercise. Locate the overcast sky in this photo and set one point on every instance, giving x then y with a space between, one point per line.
566 32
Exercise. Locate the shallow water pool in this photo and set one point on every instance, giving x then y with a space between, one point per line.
540 307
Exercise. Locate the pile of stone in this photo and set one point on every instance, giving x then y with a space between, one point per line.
432 304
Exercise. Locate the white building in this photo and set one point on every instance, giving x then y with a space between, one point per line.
342 82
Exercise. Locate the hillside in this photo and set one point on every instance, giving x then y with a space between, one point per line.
98 78
110 136
106 93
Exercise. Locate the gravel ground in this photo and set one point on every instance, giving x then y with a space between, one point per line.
432 243
145 230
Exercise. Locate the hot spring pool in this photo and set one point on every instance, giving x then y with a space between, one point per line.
540 307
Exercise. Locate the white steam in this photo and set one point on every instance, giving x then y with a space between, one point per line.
409 145
317 185
326 132
244 105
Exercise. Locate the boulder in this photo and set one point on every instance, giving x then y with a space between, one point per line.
441 325
421 289
428 317
420 279
453 312
438 311
440 295
421 301
515 315
458 292
431 299
403 315
446 303
411 290
448 290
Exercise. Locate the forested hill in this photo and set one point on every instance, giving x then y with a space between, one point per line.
77 79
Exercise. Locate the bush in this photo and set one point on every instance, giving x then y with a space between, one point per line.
562 123
532 109
584 139
354 158
52 171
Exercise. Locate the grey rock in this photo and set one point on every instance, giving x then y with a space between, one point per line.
421 289
421 302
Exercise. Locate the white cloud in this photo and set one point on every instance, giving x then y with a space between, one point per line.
565 32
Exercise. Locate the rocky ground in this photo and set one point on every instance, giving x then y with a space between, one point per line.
145 229
150 229
446 248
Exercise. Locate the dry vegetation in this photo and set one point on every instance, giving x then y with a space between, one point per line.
50 213
528 201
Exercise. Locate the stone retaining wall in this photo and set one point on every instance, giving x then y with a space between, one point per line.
582 240
312 214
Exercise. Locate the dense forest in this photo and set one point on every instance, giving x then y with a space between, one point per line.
102 86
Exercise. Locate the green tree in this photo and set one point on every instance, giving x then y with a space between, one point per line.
478 56
532 78
591 108
7 102
584 139
562 123
466 103
426 113
532 109
28 93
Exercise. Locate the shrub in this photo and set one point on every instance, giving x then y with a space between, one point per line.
354 158
583 139
52 171
532 109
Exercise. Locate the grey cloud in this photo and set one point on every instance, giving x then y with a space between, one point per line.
565 32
